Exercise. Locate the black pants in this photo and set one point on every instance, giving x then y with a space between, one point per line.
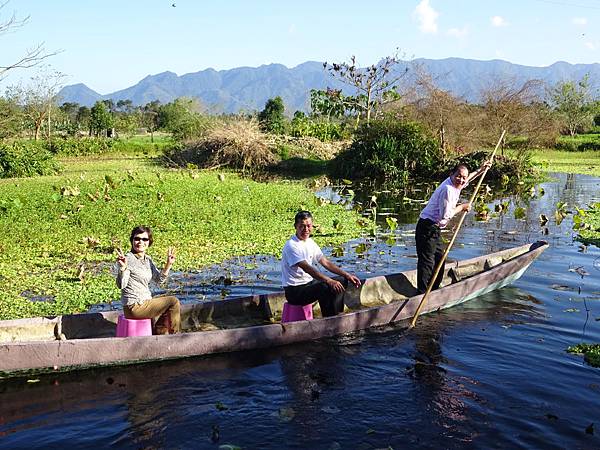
331 302
429 253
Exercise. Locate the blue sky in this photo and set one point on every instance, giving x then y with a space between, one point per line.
110 45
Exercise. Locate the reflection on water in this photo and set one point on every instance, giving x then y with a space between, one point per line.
492 373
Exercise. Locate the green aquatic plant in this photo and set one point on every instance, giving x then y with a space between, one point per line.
392 223
520 213
561 212
482 211
590 352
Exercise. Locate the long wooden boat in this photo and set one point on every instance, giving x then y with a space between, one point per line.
87 340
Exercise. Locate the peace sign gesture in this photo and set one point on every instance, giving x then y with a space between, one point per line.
170 257
121 259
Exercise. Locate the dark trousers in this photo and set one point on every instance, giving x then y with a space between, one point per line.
429 253
331 302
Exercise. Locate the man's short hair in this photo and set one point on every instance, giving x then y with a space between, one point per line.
301 216
458 167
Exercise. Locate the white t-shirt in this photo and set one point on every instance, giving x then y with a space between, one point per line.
295 251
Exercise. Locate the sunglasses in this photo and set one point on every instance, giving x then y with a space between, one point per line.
141 239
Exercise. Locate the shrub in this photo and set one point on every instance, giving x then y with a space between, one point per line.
515 167
303 126
579 143
237 144
271 117
388 150
26 159
80 147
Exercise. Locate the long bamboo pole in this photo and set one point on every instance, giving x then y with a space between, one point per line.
460 222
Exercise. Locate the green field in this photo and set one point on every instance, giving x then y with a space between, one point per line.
587 163
58 233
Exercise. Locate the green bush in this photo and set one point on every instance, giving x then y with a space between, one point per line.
80 147
578 143
302 126
516 166
388 150
26 159
98 146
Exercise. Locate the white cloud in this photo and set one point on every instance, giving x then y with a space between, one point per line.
580 21
590 45
500 54
292 29
499 21
426 16
458 32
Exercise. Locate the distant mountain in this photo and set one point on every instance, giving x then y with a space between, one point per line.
79 93
248 88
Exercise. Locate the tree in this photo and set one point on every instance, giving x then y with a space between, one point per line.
182 118
328 103
37 99
271 117
150 115
83 118
125 106
32 56
11 118
100 119
516 108
572 101
374 85
438 109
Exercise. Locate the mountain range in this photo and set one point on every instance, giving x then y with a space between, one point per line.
248 88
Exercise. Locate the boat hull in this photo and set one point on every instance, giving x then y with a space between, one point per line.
67 354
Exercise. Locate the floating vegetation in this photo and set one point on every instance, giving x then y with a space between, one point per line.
590 352
561 212
520 213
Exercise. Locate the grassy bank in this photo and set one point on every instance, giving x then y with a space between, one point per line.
587 163
58 233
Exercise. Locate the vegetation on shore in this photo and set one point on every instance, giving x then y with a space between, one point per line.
58 233
586 163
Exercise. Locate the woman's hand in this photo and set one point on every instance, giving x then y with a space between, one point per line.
170 257
121 260
466 207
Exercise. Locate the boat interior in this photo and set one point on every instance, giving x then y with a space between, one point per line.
249 311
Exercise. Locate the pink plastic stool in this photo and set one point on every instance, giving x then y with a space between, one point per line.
292 313
133 327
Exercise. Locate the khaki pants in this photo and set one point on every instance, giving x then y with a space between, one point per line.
164 310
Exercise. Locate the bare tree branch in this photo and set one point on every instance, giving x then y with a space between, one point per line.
32 57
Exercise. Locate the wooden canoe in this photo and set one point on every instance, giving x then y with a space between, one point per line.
87 340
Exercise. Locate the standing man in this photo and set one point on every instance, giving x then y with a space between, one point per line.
302 282
442 206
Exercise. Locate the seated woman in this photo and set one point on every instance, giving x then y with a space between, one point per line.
135 271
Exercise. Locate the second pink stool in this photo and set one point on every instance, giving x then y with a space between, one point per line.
292 313
133 327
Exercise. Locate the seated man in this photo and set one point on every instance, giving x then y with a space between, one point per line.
302 282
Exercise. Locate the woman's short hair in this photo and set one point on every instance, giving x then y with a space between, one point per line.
301 216
139 230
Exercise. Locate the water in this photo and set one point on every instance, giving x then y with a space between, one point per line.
492 373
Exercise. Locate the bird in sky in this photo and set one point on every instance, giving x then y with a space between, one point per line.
173 5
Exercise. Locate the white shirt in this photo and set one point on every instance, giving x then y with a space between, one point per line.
440 207
294 251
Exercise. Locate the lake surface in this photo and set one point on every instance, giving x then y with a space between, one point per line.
492 373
